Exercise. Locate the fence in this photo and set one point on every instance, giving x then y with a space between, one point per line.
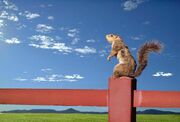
121 98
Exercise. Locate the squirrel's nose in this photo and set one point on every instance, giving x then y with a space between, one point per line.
107 35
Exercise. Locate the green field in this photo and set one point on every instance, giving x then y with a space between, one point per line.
80 118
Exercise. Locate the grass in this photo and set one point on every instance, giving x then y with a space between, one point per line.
52 118
158 118
80 118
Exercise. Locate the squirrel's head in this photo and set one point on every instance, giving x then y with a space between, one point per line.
112 37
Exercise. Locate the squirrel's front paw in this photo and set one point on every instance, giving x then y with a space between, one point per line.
108 58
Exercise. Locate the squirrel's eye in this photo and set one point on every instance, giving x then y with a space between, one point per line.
111 35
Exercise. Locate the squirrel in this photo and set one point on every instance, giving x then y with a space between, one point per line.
127 64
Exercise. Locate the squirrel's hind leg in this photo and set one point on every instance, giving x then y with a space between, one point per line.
118 71
116 74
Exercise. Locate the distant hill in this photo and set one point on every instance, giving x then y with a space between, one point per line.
155 111
71 110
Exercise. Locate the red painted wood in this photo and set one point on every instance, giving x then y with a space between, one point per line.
121 95
53 97
120 100
163 99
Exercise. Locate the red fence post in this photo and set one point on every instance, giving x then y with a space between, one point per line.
120 99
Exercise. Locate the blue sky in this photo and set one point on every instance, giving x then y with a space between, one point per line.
61 44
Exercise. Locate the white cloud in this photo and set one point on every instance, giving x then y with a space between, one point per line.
131 4
1 23
74 34
135 38
162 74
75 40
90 40
6 15
102 53
12 41
54 78
13 18
3 14
74 76
86 50
74 30
146 22
133 48
46 69
32 16
58 38
9 5
44 6
139 37
1 36
62 28
50 17
69 78
71 34
41 41
34 45
29 15
21 26
44 28
46 42
39 79
61 47
20 79
49 5
58 78
170 55
47 77
42 38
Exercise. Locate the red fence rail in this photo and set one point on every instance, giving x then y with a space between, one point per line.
162 99
62 97
122 98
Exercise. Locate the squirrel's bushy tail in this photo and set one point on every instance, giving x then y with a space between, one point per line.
143 55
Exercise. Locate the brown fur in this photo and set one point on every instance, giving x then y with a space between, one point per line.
143 55
127 63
